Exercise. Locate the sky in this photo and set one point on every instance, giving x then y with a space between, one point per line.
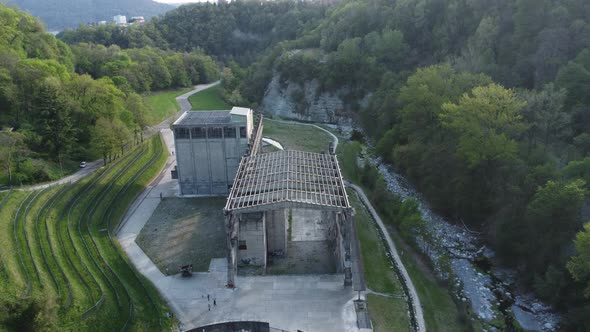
182 1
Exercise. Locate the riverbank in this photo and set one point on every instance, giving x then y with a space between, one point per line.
493 294
488 289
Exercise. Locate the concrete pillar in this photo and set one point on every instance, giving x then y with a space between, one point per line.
209 161
232 226
265 239
347 230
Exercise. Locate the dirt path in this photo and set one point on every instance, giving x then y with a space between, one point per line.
92 166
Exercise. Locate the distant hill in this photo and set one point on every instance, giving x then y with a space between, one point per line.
61 14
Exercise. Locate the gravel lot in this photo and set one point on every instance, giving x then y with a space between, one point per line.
184 231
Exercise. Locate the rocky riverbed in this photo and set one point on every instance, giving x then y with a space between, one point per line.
490 290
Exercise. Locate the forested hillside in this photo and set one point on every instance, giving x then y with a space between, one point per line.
240 30
483 105
61 104
61 14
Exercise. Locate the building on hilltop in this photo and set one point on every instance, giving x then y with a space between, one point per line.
209 147
120 20
137 20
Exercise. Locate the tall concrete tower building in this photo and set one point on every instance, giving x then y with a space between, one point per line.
209 147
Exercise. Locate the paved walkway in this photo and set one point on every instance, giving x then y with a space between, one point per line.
182 100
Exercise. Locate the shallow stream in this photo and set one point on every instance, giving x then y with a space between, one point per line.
490 289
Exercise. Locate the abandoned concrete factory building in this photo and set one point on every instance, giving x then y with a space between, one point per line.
279 204
209 146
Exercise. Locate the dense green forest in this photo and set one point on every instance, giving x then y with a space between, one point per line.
240 30
484 105
62 104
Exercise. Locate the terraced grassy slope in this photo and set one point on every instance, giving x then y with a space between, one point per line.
58 244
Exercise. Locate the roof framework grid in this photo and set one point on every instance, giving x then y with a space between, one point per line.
295 177
195 118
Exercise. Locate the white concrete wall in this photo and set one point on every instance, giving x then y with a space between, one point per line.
311 225
209 166
252 231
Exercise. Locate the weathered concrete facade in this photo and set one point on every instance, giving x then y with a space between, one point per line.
267 233
209 147
252 241
253 236
276 231
287 200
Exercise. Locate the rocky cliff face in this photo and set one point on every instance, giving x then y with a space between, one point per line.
294 101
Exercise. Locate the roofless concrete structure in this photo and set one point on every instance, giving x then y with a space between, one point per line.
285 209
267 187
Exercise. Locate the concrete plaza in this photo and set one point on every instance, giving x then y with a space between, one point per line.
306 303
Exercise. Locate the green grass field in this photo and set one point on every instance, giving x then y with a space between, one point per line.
209 100
58 245
294 136
379 273
440 311
387 313
162 105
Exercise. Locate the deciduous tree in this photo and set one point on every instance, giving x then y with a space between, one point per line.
579 265
487 121
552 217
104 140
11 148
